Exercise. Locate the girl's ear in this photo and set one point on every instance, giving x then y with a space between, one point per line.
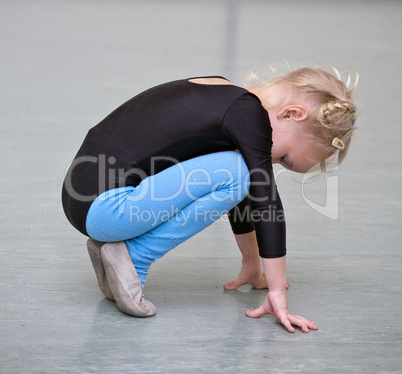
295 112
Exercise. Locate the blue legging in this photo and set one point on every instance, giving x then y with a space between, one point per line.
170 207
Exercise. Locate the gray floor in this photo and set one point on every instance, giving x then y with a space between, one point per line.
64 65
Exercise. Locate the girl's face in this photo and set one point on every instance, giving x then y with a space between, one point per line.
288 112
292 142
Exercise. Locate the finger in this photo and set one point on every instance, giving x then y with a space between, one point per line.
304 327
285 322
304 324
311 325
256 313
299 323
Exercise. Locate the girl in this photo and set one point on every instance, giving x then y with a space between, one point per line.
172 160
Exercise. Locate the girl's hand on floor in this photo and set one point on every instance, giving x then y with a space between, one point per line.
275 303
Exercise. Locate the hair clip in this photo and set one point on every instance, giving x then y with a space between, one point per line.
338 143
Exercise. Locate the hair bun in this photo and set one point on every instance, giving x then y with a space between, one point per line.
336 111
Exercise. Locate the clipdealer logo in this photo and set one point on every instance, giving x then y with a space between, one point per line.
330 208
105 167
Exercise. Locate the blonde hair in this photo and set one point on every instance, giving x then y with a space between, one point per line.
334 116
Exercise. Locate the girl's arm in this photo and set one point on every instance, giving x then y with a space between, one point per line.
250 272
276 303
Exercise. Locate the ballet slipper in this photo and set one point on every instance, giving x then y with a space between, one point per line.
94 251
124 282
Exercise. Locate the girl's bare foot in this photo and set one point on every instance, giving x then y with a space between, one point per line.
251 275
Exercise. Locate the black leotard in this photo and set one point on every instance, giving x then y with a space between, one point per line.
181 120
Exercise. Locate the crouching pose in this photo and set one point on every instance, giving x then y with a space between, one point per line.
172 160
